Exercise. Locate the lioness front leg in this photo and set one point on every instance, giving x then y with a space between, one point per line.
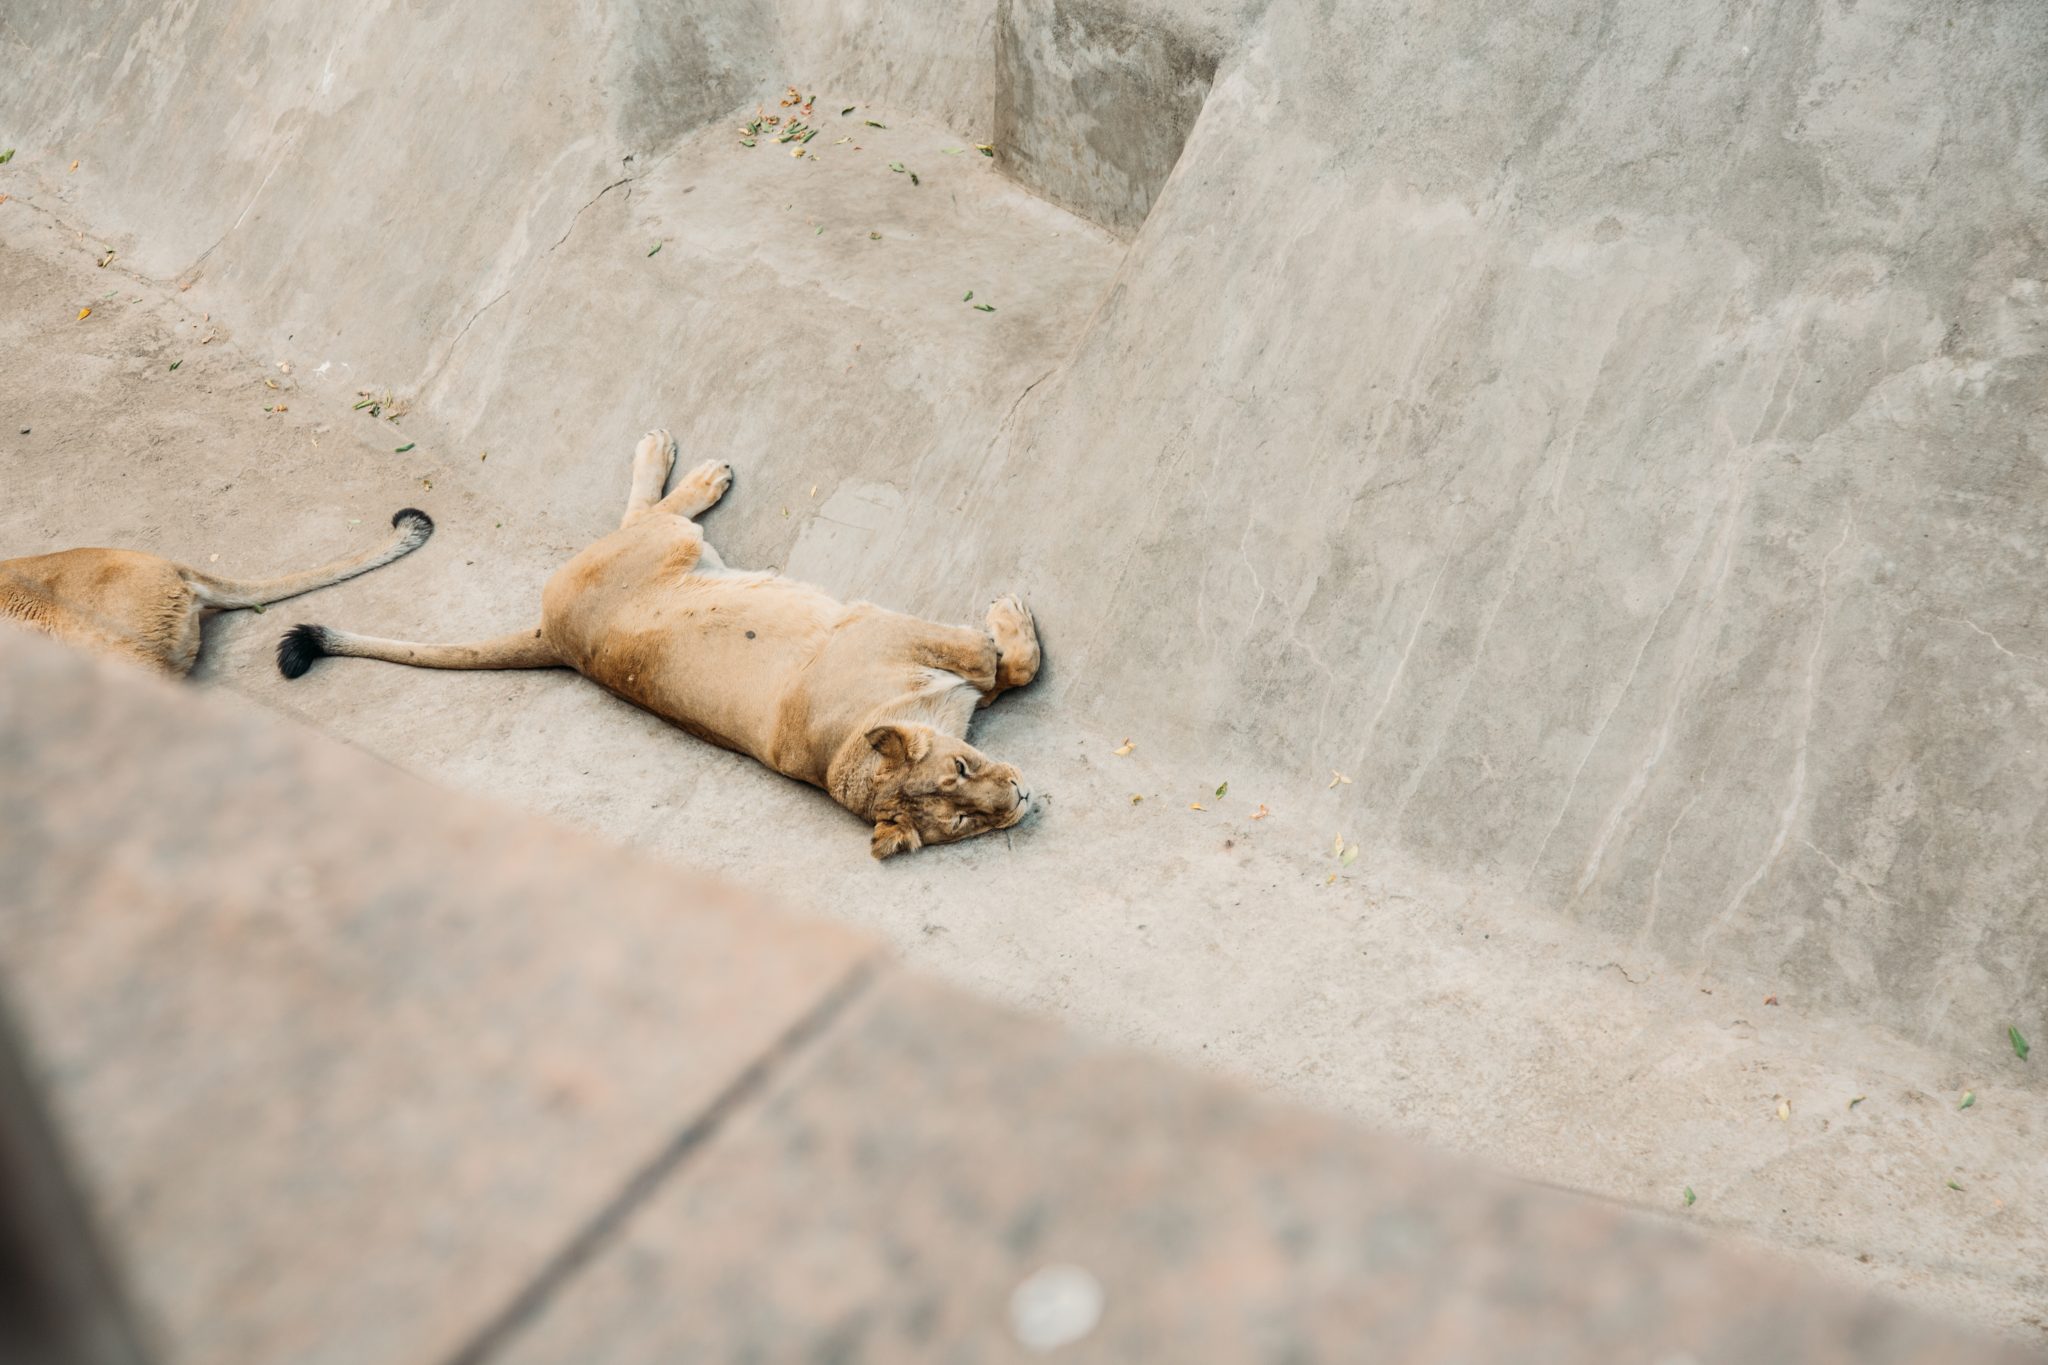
1016 640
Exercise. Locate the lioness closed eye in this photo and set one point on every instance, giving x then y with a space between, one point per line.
149 610
871 705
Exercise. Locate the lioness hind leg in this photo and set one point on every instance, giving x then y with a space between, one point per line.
653 458
698 491
1016 636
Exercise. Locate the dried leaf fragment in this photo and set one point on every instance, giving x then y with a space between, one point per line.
1350 855
986 149
1261 813
1858 1100
1337 777
74 165
1135 798
1196 805
872 124
1784 1110
1124 750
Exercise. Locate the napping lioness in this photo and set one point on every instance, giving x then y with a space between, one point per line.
870 705
149 610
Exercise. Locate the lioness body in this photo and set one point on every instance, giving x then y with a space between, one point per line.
149 610
869 704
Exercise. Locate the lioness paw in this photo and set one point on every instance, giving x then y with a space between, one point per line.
711 478
657 449
1011 626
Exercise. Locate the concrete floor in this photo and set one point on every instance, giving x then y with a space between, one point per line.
1379 988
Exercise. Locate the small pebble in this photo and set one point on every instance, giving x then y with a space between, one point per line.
1055 1307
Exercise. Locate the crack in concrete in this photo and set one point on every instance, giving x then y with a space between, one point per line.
609 1222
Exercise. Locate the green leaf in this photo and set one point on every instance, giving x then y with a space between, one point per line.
896 166
1858 1100
809 133
968 296
176 363
1952 1185
984 308
256 607
913 177
1350 855
6 156
872 124
985 149
1222 789
951 151
848 109
820 232
746 142
874 236
407 446
2019 1042
656 247
1969 1098
364 404
1689 1196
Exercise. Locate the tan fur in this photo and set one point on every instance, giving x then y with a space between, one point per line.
870 705
149 610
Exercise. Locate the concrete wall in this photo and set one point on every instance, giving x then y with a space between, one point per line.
1612 435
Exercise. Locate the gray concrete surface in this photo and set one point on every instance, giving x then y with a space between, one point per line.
1609 437
356 1071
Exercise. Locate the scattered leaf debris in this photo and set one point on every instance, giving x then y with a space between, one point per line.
1123 750
2018 1041
83 314
1196 805
1952 1185
105 260
1689 1196
656 247
1261 813
1770 1000
1969 1098
986 149
1223 789
1337 846
1784 1111
984 307
407 446
874 236
1336 778
176 363
872 124
6 156
1135 798
896 166
1350 855
848 109
74 164
1858 1100
967 297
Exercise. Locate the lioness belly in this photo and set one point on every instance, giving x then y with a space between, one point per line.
712 653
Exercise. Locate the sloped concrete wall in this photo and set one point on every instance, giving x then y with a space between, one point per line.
1611 435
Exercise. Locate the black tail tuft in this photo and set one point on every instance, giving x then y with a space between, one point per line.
416 524
300 646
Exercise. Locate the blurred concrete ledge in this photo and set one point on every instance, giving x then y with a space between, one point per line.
349 1069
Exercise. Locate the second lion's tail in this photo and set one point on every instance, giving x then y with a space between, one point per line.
521 649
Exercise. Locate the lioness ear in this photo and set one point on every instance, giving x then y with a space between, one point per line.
894 836
899 744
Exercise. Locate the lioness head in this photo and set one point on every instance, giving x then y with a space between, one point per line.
933 789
